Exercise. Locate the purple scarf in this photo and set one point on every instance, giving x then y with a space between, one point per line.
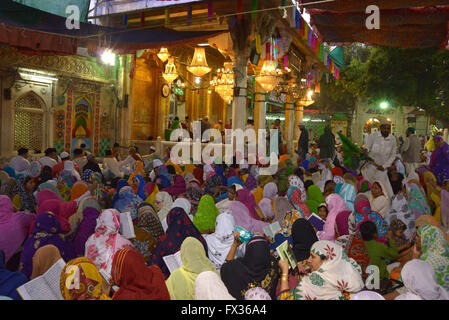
85 230
247 198
178 187
47 230
439 163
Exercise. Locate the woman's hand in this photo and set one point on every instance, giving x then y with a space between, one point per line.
237 241
283 265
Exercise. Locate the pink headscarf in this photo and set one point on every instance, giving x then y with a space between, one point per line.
247 198
269 192
342 223
335 205
45 195
13 227
242 218
178 187
62 210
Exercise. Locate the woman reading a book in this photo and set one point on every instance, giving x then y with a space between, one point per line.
258 268
333 275
336 205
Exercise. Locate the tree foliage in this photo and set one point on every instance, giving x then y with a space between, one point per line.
403 77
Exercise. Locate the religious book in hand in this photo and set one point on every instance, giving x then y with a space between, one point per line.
316 221
272 229
285 252
126 225
173 261
44 287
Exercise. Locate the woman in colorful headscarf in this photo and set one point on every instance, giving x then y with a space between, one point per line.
47 230
250 183
177 188
335 205
295 197
243 218
10 171
91 284
24 199
439 161
62 210
423 220
433 193
128 201
219 243
206 215
10 281
401 210
378 198
49 186
151 190
181 283
434 250
106 242
247 198
348 192
98 189
86 229
135 280
179 228
334 276
78 189
198 174
417 200
163 178
13 227
211 185
138 167
295 181
270 192
315 198
257 268
363 186
148 230
220 171
164 203
365 213
138 185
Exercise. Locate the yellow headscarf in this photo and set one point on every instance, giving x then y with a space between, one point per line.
189 168
178 169
78 190
181 283
152 197
81 280
258 194
430 145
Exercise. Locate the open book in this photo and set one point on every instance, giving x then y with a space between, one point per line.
272 229
44 287
126 225
316 221
173 261
285 252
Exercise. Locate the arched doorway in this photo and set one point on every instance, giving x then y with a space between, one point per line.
29 122
373 124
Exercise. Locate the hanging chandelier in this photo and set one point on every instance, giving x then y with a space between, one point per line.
199 66
307 99
170 73
163 54
269 76
224 82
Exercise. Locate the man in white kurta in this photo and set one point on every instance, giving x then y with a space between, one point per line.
381 147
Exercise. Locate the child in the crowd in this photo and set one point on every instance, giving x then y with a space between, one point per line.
397 227
323 211
377 251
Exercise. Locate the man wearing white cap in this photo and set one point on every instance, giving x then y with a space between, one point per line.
381 147
156 164
57 169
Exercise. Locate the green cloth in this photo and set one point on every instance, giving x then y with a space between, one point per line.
58 7
282 182
206 214
315 198
352 154
378 252
338 57
326 144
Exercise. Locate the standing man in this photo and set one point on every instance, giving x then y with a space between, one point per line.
411 151
326 144
381 147
21 163
303 143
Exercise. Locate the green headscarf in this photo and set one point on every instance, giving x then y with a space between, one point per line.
315 198
206 214
264 180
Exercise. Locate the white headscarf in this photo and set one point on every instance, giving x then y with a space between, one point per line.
380 204
167 201
339 180
209 286
257 293
295 181
184 204
70 166
367 295
420 280
337 273
157 163
219 242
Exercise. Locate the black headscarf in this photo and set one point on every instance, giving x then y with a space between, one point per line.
256 269
303 236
